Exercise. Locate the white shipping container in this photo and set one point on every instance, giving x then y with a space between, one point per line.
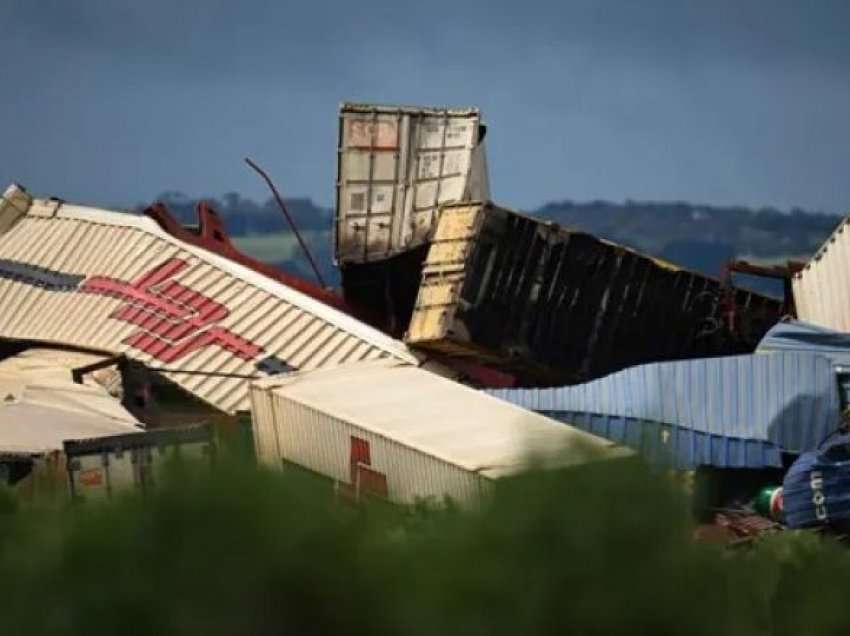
397 431
119 283
822 287
395 167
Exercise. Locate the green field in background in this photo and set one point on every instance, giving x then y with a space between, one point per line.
280 246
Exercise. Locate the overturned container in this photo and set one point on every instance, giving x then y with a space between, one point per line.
727 412
187 307
399 432
556 305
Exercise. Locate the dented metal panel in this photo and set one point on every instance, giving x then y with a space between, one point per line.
556 305
118 283
395 167
789 399
675 446
822 287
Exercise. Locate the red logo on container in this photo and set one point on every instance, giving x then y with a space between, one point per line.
364 480
91 477
174 320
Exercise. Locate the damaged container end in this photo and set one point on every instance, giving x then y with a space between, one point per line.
555 305
396 166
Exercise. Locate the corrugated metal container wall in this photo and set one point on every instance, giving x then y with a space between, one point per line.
822 287
561 306
117 282
679 447
395 167
403 433
328 445
795 335
108 465
788 399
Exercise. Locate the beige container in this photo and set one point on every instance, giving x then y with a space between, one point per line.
400 432
822 287
395 167
118 283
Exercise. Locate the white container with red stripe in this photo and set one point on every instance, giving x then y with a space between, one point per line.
400 432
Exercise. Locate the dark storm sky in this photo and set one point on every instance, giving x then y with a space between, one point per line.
720 101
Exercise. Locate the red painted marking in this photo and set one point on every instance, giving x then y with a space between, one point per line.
91 477
363 480
174 320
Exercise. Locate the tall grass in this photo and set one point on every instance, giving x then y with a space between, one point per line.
595 550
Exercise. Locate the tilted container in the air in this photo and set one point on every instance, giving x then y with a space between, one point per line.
396 166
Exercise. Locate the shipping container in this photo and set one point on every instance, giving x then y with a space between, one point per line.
41 405
822 287
119 283
396 166
796 335
788 399
674 446
397 431
104 466
554 305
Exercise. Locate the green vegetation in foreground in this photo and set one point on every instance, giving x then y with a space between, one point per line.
591 551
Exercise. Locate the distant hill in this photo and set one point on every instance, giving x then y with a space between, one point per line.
699 237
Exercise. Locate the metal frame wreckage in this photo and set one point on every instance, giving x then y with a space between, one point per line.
508 326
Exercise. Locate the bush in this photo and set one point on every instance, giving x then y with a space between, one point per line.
586 551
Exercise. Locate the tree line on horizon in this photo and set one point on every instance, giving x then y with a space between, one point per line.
698 237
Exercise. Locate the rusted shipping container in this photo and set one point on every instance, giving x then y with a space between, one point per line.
822 287
393 430
560 306
396 165
119 283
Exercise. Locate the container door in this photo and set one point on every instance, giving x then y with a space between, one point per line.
442 161
370 195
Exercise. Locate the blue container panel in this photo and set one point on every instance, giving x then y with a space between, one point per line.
789 399
681 448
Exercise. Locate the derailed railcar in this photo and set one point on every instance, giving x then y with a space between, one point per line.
556 305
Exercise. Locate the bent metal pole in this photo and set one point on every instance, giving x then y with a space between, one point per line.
289 220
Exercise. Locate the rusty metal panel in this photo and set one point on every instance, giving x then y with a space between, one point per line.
395 167
118 283
822 287
557 306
